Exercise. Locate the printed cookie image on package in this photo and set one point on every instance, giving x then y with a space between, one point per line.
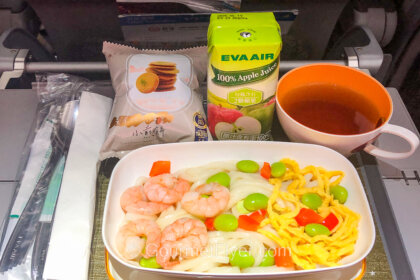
152 89
155 100
165 72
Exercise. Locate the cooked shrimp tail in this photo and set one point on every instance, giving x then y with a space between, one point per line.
166 188
134 200
215 200
184 239
130 242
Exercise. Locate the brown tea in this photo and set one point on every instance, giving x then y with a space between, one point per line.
331 109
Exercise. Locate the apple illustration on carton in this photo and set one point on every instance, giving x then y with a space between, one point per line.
230 120
242 125
218 114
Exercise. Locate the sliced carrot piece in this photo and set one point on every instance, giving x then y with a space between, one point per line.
247 223
160 167
266 171
283 257
209 222
258 215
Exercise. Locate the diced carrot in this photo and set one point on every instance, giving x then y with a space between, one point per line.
247 223
160 167
266 171
258 215
283 257
209 222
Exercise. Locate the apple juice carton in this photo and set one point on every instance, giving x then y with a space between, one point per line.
244 51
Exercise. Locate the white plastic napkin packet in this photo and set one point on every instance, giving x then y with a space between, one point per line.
69 249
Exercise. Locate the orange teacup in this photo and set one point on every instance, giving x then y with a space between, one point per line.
339 107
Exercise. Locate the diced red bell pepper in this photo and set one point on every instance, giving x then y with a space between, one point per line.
252 221
266 171
283 257
308 216
331 221
209 222
160 167
247 223
258 215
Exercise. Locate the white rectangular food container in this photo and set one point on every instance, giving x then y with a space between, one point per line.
189 154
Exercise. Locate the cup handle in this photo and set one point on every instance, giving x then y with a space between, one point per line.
402 132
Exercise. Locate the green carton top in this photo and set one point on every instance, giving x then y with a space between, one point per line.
243 28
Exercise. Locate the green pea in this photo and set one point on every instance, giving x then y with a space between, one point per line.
205 195
241 208
255 201
226 222
278 169
247 166
312 200
241 258
339 193
268 259
149 263
222 178
316 229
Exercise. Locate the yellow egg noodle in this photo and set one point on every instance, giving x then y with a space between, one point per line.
284 204
279 229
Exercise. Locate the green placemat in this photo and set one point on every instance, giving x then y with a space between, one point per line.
377 266
97 268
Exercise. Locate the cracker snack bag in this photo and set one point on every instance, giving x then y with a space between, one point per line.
244 51
155 98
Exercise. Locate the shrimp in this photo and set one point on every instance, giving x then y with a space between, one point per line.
134 200
130 243
166 188
185 239
194 203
